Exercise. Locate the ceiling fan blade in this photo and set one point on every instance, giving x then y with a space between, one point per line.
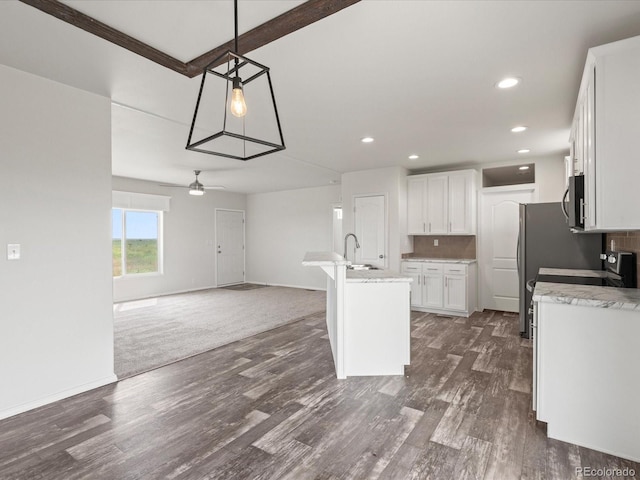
214 187
173 185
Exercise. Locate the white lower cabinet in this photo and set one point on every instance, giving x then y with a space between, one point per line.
442 287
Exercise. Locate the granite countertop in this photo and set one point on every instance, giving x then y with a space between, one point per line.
573 272
466 261
587 295
319 259
376 276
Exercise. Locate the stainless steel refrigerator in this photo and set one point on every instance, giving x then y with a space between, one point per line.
545 241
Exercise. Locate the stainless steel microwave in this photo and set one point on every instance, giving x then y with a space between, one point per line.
573 202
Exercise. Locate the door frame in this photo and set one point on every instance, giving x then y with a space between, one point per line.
386 219
481 241
244 242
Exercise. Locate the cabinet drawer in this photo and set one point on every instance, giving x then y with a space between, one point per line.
411 267
432 268
455 268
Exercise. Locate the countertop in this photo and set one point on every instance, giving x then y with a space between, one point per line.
465 261
587 295
324 259
320 259
573 272
376 276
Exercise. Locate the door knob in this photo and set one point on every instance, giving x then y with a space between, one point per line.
380 256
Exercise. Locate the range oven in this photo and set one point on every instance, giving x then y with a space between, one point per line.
620 271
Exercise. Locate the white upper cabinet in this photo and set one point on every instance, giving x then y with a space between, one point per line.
604 136
442 203
416 204
437 204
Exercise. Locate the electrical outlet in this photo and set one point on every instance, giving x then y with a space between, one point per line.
13 251
435 242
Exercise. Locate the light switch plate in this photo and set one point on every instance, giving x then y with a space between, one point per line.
13 251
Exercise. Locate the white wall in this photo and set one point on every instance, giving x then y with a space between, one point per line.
392 183
188 241
282 227
550 179
56 321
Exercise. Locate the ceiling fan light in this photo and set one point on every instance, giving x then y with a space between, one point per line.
199 191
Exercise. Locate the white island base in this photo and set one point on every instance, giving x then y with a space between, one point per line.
368 317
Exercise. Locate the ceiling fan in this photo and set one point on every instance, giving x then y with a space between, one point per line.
195 187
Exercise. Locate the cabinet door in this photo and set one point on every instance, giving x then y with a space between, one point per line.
416 223
455 292
437 200
432 290
588 112
414 270
459 204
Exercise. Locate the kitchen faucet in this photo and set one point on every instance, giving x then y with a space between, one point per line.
346 237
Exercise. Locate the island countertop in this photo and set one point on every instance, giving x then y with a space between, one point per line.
376 276
319 259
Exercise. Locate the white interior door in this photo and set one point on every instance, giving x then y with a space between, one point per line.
230 247
498 239
370 228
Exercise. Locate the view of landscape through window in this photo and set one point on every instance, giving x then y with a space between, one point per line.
135 240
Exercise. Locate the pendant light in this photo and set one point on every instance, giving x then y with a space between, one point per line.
253 128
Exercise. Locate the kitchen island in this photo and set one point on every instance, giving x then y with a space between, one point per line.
586 358
368 317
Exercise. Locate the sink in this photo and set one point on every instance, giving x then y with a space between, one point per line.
362 266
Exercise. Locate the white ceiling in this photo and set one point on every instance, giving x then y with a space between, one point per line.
417 75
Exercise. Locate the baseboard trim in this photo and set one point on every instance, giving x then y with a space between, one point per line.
289 286
58 396
177 292
163 294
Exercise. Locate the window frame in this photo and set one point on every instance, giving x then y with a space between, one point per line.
123 239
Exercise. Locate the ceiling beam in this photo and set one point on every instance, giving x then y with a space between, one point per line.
299 17
91 25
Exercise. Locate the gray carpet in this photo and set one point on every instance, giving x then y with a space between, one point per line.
157 331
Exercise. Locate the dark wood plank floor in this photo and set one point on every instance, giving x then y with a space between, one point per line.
270 407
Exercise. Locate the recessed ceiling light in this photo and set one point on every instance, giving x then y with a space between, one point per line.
524 167
413 157
518 129
524 150
367 140
508 82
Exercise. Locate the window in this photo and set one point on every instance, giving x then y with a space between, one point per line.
136 241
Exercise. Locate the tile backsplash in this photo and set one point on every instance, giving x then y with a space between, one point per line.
626 242
449 246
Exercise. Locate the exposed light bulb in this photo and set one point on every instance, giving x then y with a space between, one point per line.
238 105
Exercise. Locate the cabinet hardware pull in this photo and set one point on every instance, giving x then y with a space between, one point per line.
424 227
429 227
450 226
